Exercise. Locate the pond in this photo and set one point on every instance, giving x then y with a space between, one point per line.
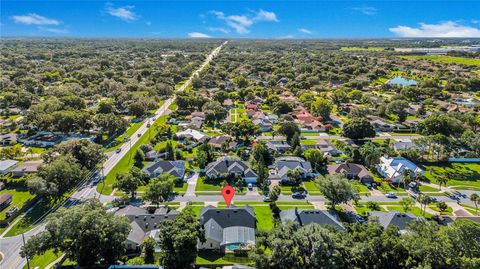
398 80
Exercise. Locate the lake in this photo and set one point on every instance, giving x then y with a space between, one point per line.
398 80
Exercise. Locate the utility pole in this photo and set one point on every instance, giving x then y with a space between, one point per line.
26 256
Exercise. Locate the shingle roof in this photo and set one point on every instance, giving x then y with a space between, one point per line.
227 165
7 164
386 219
349 168
307 216
174 168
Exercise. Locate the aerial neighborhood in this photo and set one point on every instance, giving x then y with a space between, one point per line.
121 149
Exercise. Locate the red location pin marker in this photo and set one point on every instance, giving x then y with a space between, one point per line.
228 192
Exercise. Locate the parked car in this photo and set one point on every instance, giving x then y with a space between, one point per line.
299 195
391 195
250 187
11 211
97 178
359 219
267 199
118 150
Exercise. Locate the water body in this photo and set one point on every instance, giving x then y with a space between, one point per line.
399 80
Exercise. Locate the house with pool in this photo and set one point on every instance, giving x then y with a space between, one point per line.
227 229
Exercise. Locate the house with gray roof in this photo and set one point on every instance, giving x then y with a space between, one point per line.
227 229
232 166
8 139
173 168
280 146
144 224
282 165
307 216
6 166
396 218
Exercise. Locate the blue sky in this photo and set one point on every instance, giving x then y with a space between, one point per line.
240 19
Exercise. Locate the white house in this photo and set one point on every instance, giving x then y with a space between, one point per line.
391 168
193 134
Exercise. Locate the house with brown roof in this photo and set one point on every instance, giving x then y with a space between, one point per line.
351 171
5 200
27 167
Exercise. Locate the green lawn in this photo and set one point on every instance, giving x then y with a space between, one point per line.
31 216
308 142
463 175
43 260
447 59
20 197
203 186
447 212
126 162
264 217
471 209
415 210
363 209
211 257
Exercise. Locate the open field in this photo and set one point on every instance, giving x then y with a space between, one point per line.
447 59
462 175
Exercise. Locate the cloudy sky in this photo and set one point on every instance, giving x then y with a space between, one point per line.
240 19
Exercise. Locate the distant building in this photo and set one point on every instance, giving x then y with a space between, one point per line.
7 165
173 168
227 229
232 166
43 139
144 224
307 216
392 168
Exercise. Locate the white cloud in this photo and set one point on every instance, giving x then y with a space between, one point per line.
198 35
305 31
218 29
54 30
366 10
263 15
444 29
241 23
34 19
124 13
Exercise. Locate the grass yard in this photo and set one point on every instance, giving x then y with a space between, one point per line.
447 212
362 209
447 59
463 175
25 224
471 209
42 261
215 258
20 197
126 162
415 210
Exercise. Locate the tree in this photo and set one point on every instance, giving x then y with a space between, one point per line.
322 107
57 177
139 157
282 107
178 240
85 233
407 176
316 158
148 247
371 154
440 124
336 188
424 200
128 182
169 152
160 189
288 129
373 206
442 206
295 175
214 111
475 198
399 109
407 203
442 180
358 128
275 193
86 153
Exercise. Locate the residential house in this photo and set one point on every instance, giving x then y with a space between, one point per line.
380 125
264 124
43 139
193 134
173 168
251 106
327 147
6 166
217 142
279 146
227 229
151 155
27 167
351 171
8 139
227 103
310 123
233 166
282 165
282 82
144 224
396 218
392 168
5 200
402 145
325 218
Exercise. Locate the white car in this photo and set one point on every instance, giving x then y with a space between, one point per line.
391 195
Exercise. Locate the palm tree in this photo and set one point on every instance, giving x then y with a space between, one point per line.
406 177
424 200
475 198
442 180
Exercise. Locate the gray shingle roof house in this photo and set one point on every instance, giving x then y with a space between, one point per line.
229 165
27 167
143 223
399 219
351 170
174 168
284 164
8 139
227 228
7 165
280 146
307 216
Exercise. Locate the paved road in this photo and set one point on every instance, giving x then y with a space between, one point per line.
337 137
10 246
